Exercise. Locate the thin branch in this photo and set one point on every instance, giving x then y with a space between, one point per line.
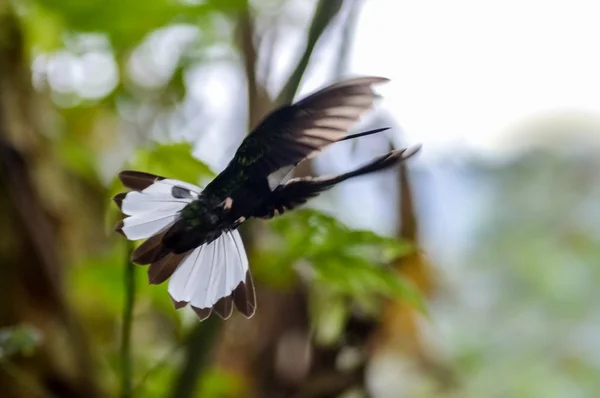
347 31
249 54
325 11
408 229
125 354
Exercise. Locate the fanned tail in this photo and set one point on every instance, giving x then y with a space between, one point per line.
213 276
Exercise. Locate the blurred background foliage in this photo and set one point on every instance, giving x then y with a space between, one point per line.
171 87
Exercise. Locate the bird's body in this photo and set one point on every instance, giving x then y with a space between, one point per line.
191 233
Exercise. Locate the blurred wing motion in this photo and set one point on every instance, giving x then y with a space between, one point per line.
211 276
298 190
299 131
278 176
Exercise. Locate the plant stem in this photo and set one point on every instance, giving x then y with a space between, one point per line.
125 355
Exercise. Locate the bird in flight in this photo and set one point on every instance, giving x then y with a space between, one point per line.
191 233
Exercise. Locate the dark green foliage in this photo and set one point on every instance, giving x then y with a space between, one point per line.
348 262
171 161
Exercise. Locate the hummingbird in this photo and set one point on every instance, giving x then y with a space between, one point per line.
191 234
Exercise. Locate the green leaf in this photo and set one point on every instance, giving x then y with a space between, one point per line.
345 261
172 160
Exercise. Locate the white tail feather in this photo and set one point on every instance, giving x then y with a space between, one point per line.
139 202
145 225
153 209
210 272
180 278
244 264
204 298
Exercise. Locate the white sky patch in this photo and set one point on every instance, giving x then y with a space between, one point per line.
464 71
216 88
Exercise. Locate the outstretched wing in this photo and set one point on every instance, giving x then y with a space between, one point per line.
210 277
295 132
298 190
